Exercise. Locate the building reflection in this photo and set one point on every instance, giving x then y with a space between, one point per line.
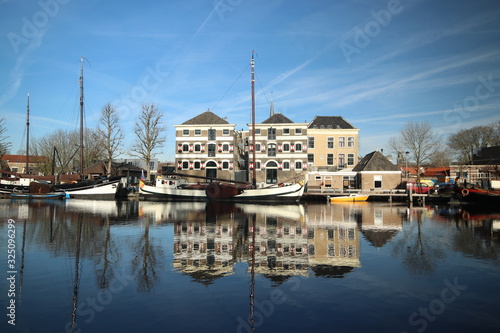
292 240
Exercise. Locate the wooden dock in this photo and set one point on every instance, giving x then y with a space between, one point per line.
387 196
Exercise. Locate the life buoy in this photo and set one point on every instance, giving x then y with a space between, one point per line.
465 192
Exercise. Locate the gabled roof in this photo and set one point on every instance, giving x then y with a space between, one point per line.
375 161
277 118
330 122
206 118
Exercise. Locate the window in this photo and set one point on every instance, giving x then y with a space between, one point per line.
341 142
286 165
330 143
197 132
197 165
211 149
225 165
185 147
377 181
257 147
286 147
271 134
211 134
310 158
185 165
298 146
298 165
310 142
225 132
185 132
225 147
350 159
286 131
197 147
341 160
350 142
271 149
329 159
298 131
257 131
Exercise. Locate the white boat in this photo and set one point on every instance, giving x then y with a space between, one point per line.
102 189
173 188
274 193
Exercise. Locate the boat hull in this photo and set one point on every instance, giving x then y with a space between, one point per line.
356 198
274 194
172 194
105 191
38 196
478 196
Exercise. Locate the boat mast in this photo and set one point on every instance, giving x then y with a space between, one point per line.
254 170
81 117
27 135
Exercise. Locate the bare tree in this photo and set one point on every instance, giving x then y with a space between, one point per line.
418 139
4 144
148 130
66 143
110 133
466 142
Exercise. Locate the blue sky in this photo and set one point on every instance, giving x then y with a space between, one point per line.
378 64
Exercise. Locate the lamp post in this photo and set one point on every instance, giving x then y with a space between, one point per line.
406 158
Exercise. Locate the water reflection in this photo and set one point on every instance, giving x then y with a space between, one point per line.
206 243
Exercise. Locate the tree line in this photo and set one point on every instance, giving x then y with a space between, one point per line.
417 143
103 143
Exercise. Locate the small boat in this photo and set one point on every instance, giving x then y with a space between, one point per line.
350 198
39 191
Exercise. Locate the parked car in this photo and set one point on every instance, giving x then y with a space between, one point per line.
420 188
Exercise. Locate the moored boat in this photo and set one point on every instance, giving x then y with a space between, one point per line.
349 198
173 188
478 195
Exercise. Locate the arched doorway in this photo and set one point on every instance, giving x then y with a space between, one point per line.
271 172
211 169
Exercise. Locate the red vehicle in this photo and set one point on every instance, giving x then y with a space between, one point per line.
420 188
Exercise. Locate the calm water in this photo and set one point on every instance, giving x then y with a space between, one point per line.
92 266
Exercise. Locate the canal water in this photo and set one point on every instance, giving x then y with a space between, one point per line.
105 266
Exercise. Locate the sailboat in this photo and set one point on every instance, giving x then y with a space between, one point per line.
104 188
278 193
35 190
